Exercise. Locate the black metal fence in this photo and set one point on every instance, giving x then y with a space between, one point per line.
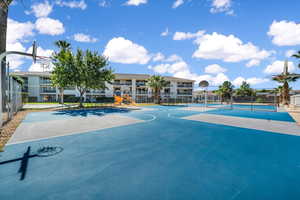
267 101
13 99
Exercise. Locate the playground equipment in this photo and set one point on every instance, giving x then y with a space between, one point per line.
126 99
118 100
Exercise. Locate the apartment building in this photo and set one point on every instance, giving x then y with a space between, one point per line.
38 88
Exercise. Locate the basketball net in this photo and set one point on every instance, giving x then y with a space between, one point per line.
44 62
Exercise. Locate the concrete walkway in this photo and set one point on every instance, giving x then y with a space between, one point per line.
46 106
197 108
68 126
281 127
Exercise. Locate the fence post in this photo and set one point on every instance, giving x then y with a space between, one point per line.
252 102
275 102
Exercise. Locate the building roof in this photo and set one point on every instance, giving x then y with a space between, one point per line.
118 76
31 73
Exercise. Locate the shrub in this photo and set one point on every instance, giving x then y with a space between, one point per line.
259 100
71 99
105 99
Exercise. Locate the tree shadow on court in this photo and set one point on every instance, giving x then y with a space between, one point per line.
91 112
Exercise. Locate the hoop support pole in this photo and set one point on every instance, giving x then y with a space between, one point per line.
2 56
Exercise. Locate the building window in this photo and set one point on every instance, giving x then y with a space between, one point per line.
48 89
45 81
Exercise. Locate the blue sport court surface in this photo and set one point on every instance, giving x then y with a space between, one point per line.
154 153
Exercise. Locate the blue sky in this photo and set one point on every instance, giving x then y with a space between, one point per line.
215 40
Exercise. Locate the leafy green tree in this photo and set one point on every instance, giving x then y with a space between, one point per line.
225 91
89 71
245 90
62 61
156 83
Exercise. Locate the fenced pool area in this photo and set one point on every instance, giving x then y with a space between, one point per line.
159 152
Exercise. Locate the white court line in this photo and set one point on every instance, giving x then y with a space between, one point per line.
153 118
55 128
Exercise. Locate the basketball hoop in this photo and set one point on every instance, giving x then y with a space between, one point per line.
203 84
44 62
34 51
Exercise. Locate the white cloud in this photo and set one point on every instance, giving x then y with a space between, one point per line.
81 37
49 26
41 52
15 61
219 79
188 35
222 6
253 62
290 53
256 81
72 4
41 9
38 67
16 46
17 32
165 33
135 2
103 3
172 68
277 67
285 33
177 3
214 69
227 48
238 81
181 69
161 57
42 65
158 57
252 81
173 58
124 51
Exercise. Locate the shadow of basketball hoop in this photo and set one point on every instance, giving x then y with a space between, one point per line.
41 152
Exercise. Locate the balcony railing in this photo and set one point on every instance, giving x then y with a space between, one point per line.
48 90
123 93
141 92
69 88
184 93
95 91
117 83
140 84
185 85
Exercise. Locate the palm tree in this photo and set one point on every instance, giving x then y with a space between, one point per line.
225 91
297 55
285 78
63 45
156 83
